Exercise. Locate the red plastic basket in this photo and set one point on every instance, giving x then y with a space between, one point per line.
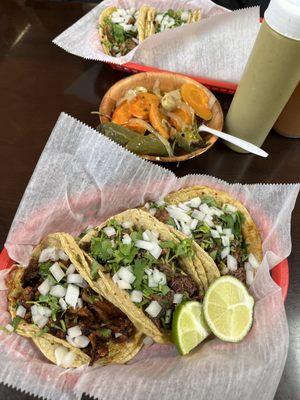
280 273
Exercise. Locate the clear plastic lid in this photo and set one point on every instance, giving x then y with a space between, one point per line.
283 16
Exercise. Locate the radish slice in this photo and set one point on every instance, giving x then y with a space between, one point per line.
21 311
109 231
44 287
57 272
153 309
136 296
72 295
60 353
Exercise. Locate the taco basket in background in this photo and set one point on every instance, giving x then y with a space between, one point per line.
70 323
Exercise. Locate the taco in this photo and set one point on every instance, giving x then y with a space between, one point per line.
219 223
70 323
159 21
145 270
121 30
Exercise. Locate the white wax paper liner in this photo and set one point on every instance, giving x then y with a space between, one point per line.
81 178
217 47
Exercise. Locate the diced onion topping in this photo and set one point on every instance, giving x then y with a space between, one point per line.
109 231
63 304
231 263
127 224
58 291
126 275
56 271
9 328
227 231
39 320
126 239
229 208
62 255
79 303
69 359
168 316
214 233
149 236
194 203
50 253
199 215
253 261
74 331
160 202
177 298
225 252
184 207
152 211
142 244
208 220
60 353
159 277
156 251
82 341
77 279
136 296
225 241
153 309
249 277
72 295
71 269
205 209
44 287
117 335
123 284
177 213
21 311
219 228
194 224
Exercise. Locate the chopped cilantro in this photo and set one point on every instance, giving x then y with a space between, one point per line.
94 270
44 269
139 267
101 248
63 325
105 332
42 331
15 322
52 303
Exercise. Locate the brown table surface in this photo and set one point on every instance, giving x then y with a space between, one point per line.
38 81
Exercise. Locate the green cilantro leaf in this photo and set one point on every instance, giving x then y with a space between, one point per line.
105 332
94 270
101 249
44 269
42 331
15 322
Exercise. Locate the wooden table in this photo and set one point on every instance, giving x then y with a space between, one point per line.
39 80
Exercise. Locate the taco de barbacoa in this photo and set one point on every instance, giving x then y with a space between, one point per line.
145 270
71 324
219 223
121 30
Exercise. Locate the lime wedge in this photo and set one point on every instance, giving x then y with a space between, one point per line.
228 309
189 327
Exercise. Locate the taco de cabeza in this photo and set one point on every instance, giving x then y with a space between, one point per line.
121 30
70 323
219 223
146 271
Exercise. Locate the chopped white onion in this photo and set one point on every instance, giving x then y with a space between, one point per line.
44 287
153 309
227 231
126 239
214 233
115 277
72 295
148 271
229 208
248 266
194 224
82 341
21 311
155 234
216 211
249 277
136 296
231 263
225 252
151 282
117 335
79 303
208 220
62 255
39 320
205 209
69 359
194 203
219 228
126 275
253 261
225 241
74 331
177 213
123 284
109 231
177 298
60 353
77 279
50 253
159 277
168 316
63 304
127 224
152 211
34 310
160 202
184 207
44 311
56 271
185 229
9 328
58 291
199 215
156 251
71 269
148 341
142 244
71 341
149 236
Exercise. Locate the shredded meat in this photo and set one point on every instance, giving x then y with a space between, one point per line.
162 215
31 275
99 347
166 269
27 294
85 247
126 46
121 325
81 312
105 310
184 283
240 274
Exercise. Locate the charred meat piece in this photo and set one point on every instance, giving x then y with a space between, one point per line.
240 274
28 294
184 283
105 311
99 347
162 215
31 275
81 312
127 46
121 325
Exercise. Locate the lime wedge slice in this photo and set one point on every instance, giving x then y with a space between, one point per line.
228 309
189 327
